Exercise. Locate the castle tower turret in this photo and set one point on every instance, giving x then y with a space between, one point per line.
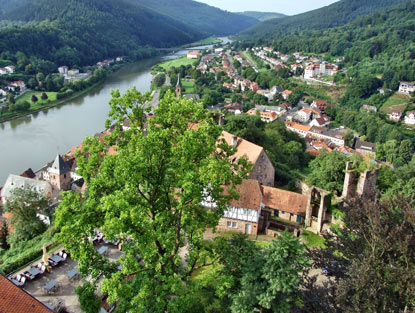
60 174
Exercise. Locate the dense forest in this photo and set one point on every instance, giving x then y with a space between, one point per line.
83 32
337 14
201 17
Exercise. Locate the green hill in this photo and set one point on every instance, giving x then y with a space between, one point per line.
337 14
84 31
381 44
200 16
262 16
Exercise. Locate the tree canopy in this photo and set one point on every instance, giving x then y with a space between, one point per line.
148 195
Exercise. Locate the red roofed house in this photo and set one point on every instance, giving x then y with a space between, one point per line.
243 215
320 105
266 117
300 129
284 204
286 94
193 55
263 170
16 300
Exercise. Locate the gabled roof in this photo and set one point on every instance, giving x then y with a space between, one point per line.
13 299
365 145
243 147
28 173
282 200
15 181
250 196
60 166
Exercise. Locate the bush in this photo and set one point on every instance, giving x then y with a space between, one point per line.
24 253
34 98
44 96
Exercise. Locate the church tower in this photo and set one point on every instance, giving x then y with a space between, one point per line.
178 86
60 174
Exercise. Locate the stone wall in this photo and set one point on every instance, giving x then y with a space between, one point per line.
359 185
263 170
240 228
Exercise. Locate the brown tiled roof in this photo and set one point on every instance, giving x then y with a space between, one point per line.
250 196
282 200
15 300
244 147
298 126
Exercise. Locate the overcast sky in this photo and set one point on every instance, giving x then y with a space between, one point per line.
280 6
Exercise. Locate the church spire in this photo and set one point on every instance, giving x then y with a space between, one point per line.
178 86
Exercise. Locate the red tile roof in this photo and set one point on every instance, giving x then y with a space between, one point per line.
250 196
282 200
15 300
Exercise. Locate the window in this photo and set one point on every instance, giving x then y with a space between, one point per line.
228 224
276 213
298 219
234 224
291 215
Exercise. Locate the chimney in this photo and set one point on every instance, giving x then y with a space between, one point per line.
234 141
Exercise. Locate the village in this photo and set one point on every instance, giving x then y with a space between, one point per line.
262 211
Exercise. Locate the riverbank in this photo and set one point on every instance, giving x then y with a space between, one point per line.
12 116
203 42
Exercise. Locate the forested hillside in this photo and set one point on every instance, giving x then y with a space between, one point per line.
201 17
382 43
84 31
262 16
337 14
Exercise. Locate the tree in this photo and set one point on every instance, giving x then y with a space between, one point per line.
249 127
3 236
88 300
34 98
40 77
44 96
270 281
349 138
328 171
11 99
160 79
405 150
32 83
377 241
148 196
24 204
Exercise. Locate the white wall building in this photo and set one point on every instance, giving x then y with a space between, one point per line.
410 118
407 87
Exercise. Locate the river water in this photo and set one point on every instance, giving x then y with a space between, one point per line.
34 140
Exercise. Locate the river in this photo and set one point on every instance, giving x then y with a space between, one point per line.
34 140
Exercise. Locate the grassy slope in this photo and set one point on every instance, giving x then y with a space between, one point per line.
177 63
397 102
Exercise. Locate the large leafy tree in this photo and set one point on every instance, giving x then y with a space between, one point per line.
328 171
148 196
378 243
25 204
270 280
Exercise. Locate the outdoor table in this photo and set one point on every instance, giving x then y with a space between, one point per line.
50 286
34 271
103 250
72 273
56 258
